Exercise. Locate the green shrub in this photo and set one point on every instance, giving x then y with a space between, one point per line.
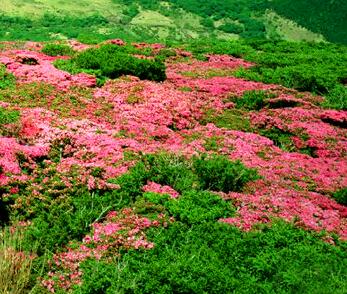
57 50
218 173
7 80
8 116
281 138
198 206
57 222
171 170
232 28
341 196
112 61
252 100
337 98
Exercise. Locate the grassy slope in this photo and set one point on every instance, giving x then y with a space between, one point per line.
37 8
147 24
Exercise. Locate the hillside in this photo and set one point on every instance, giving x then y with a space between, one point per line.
144 168
178 146
172 20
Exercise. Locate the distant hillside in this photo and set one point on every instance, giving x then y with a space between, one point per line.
326 17
176 20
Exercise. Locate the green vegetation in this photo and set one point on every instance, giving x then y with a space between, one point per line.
252 100
112 61
321 16
57 50
7 80
8 116
196 253
212 257
341 196
56 220
15 266
219 174
315 67
154 20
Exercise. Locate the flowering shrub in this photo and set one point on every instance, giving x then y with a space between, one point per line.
202 161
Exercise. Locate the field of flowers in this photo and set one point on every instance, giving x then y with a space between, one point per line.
174 176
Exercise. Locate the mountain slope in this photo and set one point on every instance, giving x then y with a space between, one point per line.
172 19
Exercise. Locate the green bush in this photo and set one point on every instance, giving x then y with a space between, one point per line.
232 28
218 173
112 61
7 80
8 116
337 98
341 196
198 206
57 50
252 100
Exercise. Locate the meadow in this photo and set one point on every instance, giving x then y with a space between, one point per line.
210 166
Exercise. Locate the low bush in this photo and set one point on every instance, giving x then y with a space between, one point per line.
252 100
341 196
57 50
112 61
217 173
7 80
8 116
195 207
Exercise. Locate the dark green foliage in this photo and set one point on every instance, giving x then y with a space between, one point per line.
57 50
195 207
252 100
41 29
63 220
7 80
281 138
337 98
232 28
217 173
212 257
341 196
208 23
112 61
8 116
163 169
323 16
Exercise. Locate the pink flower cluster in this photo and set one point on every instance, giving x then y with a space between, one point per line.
157 188
317 126
9 160
309 210
30 66
119 230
